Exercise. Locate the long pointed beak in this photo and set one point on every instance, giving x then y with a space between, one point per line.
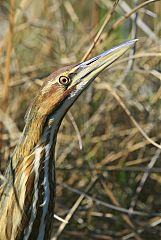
88 70
82 74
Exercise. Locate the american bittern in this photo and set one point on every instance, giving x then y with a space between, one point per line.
28 195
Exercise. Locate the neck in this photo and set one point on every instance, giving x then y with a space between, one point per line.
30 192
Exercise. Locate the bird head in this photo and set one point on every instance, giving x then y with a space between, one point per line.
60 90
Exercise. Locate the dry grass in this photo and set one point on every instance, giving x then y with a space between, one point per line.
111 189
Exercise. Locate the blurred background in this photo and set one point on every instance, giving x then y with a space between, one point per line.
108 154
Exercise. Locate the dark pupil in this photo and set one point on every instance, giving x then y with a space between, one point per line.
64 80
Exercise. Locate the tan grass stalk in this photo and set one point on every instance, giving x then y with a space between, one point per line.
8 56
97 37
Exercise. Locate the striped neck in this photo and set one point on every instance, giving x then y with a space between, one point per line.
34 183
44 185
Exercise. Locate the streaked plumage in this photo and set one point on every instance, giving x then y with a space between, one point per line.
27 197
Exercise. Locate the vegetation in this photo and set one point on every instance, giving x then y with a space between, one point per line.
108 150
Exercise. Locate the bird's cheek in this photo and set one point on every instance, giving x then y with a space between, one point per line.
50 102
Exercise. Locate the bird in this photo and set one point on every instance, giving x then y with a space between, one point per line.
28 194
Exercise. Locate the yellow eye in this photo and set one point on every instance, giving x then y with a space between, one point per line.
64 80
